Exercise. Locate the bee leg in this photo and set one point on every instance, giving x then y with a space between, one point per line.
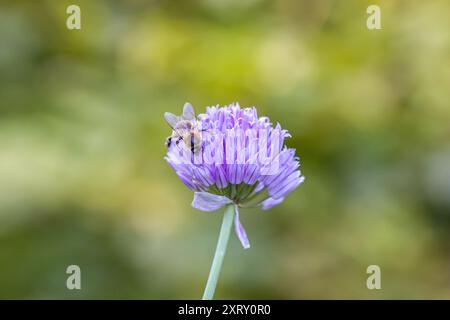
168 142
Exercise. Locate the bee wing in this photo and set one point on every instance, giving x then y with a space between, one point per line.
188 111
171 119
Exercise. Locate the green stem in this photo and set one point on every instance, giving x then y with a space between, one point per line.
221 248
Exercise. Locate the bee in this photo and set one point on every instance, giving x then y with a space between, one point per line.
185 129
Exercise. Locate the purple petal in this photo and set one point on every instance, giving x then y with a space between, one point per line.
287 180
270 202
291 185
240 231
206 201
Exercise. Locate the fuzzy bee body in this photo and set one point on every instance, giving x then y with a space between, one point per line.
185 129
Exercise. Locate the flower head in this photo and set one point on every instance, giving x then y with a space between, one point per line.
229 155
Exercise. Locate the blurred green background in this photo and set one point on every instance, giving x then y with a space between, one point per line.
82 175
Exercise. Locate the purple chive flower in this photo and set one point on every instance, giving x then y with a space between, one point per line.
229 155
